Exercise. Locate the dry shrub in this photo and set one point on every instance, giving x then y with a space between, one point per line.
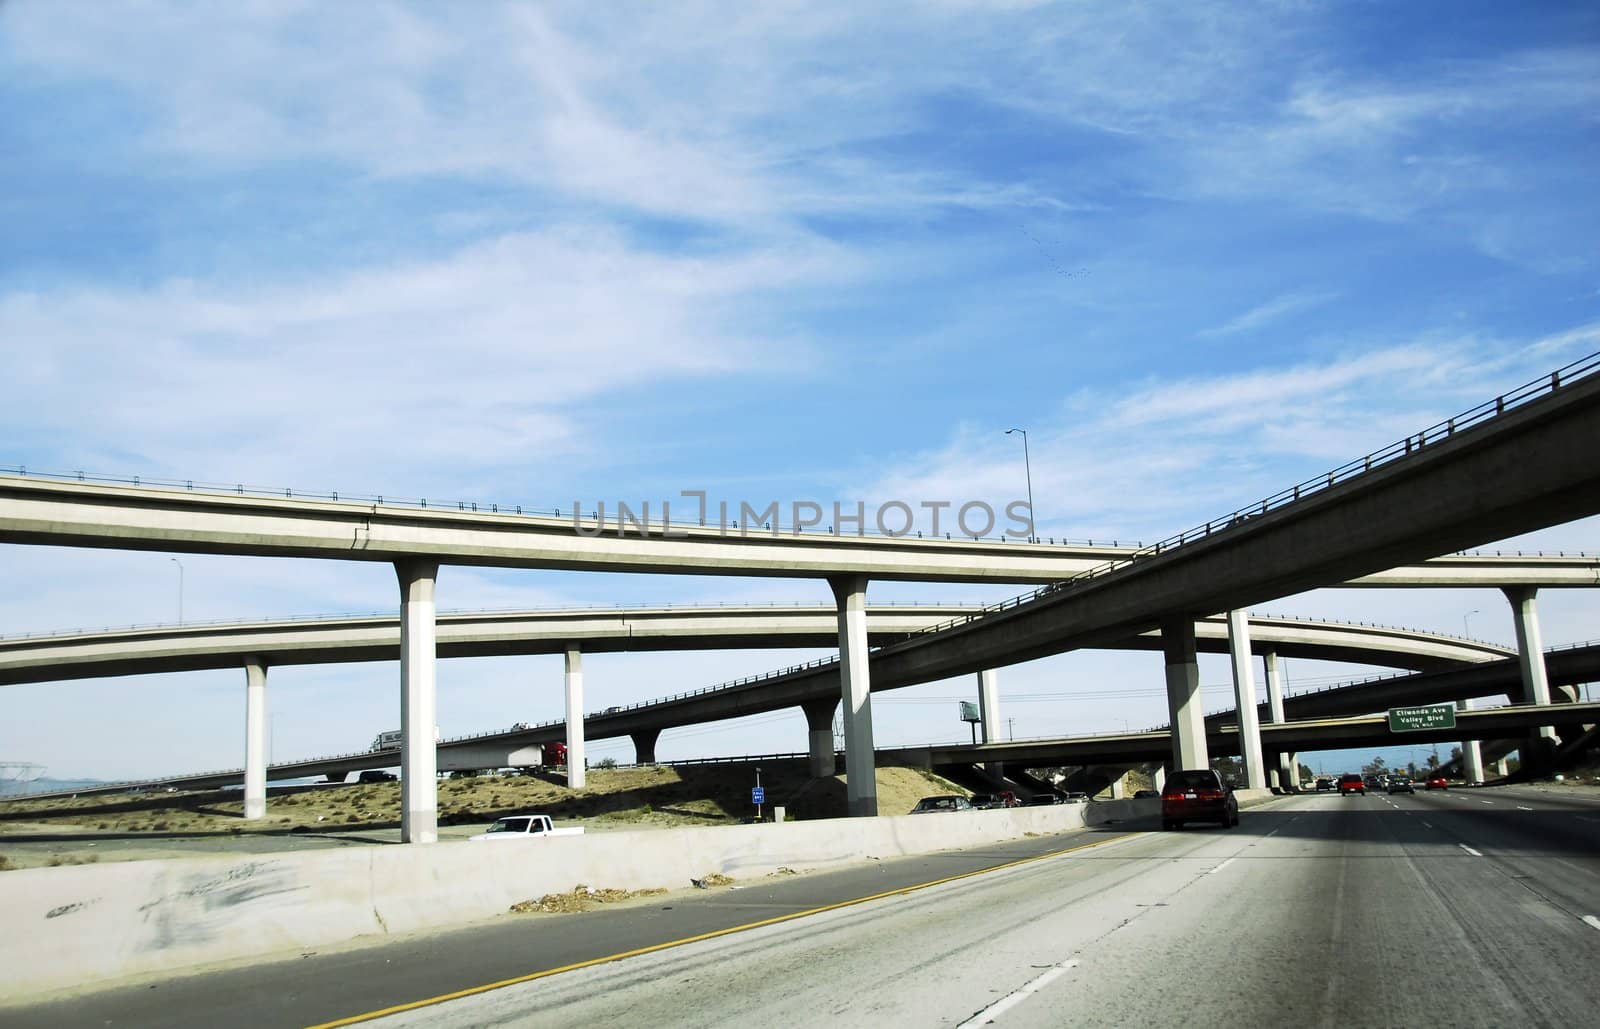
580 898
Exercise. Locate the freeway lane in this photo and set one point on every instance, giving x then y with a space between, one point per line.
332 983
1452 909
1316 911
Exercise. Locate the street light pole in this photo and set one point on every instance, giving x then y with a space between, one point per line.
1027 468
180 588
1466 623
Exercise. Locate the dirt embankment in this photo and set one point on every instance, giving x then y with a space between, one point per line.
59 831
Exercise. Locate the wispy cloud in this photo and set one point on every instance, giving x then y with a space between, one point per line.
1271 311
490 356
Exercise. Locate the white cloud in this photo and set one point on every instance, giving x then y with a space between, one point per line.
492 355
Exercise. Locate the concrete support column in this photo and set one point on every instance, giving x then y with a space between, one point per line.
1288 764
819 725
1501 769
989 708
644 746
255 738
1183 695
855 687
1471 751
1244 699
1530 647
576 763
1158 781
989 704
419 755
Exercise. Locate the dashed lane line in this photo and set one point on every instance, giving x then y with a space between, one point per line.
1220 867
1469 850
1591 921
1011 1000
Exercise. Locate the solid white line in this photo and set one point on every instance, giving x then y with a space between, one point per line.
1521 808
1220 867
1486 802
1469 850
1591 921
990 1013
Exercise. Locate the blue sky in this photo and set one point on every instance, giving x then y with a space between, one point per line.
533 254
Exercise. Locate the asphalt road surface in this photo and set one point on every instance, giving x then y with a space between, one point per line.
1467 908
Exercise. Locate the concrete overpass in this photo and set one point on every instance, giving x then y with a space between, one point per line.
258 646
1517 463
1315 734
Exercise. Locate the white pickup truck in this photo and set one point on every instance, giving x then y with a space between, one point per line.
525 827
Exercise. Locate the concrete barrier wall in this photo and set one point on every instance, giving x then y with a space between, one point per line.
84 925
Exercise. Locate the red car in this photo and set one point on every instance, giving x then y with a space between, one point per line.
1197 795
1436 782
1350 783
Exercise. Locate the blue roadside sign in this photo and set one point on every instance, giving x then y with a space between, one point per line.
758 796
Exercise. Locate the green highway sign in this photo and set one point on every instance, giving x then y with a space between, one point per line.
1410 719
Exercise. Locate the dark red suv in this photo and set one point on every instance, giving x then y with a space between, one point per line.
1197 795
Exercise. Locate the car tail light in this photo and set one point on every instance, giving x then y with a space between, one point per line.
1209 794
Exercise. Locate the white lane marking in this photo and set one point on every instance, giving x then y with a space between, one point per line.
1521 808
1486 802
1469 850
1591 921
1011 1000
1426 825
1220 867
1272 833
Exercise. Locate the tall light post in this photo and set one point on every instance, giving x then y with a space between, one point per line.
1027 468
1466 623
180 588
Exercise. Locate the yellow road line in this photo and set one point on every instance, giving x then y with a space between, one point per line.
531 976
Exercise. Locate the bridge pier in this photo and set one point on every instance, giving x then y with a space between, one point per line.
644 746
1538 746
577 764
1244 699
989 709
855 687
1471 750
419 750
255 738
819 725
1288 764
1184 707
